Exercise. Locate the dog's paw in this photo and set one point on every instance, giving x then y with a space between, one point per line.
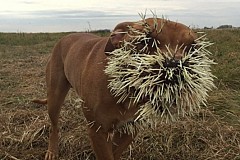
51 155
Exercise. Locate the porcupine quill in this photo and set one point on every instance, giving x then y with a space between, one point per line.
173 88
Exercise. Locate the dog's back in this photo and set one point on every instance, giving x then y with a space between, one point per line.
82 57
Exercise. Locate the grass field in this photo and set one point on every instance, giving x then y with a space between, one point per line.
213 134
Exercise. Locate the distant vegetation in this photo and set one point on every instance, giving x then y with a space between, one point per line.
223 27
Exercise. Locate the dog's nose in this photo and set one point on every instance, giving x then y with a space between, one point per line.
171 63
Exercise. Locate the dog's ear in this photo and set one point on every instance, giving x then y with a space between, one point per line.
117 36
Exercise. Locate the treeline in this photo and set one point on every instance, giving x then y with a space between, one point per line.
223 27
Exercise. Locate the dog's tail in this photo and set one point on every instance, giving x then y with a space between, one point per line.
40 101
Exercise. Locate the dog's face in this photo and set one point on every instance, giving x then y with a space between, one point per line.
159 62
167 35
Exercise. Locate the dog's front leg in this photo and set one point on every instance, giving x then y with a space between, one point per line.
121 141
100 143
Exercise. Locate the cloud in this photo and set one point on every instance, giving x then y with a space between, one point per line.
46 15
30 2
68 14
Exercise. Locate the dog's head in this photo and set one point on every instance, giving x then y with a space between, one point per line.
159 62
167 35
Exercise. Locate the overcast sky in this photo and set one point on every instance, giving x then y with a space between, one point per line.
83 15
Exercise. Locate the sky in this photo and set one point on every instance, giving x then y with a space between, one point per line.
85 15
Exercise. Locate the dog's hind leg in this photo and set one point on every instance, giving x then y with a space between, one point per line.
57 88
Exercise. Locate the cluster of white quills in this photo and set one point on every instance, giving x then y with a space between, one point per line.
172 88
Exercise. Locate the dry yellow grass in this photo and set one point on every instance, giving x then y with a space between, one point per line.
214 134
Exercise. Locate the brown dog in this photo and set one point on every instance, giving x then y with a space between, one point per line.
78 61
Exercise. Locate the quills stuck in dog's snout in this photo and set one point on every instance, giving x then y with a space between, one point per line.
172 87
